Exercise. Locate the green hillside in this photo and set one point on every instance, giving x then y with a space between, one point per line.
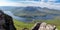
20 25
40 14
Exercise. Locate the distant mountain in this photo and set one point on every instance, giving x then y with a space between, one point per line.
35 11
29 9
32 12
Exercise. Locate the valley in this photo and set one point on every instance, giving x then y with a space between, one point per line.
26 17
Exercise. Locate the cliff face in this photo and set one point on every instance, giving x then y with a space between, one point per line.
6 22
44 26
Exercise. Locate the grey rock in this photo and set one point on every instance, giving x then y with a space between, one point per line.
6 22
44 26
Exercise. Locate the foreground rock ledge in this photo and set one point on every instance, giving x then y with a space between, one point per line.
44 26
6 22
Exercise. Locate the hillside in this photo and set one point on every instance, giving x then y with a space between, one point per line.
37 14
29 9
35 11
31 12
20 25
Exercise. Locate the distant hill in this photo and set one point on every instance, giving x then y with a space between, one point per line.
32 12
29 8
35 11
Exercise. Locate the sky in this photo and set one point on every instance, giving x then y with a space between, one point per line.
41 3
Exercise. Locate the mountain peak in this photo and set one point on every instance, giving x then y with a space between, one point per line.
29 8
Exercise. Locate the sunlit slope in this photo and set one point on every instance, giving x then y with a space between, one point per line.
20 25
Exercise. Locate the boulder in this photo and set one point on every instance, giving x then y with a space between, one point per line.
36 26
44 26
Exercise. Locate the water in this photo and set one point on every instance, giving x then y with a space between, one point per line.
16 17
29 19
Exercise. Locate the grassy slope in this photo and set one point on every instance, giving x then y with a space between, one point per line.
20 25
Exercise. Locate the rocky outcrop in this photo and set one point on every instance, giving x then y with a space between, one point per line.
44 26
6 22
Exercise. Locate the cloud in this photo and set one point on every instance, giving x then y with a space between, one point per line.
49 4
53 4
22 3
8 4
43 3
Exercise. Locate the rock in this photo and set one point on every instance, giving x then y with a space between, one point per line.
50 27
25 29
6 22
36 26
44 26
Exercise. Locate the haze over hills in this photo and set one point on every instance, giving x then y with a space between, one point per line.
32 12
29 8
